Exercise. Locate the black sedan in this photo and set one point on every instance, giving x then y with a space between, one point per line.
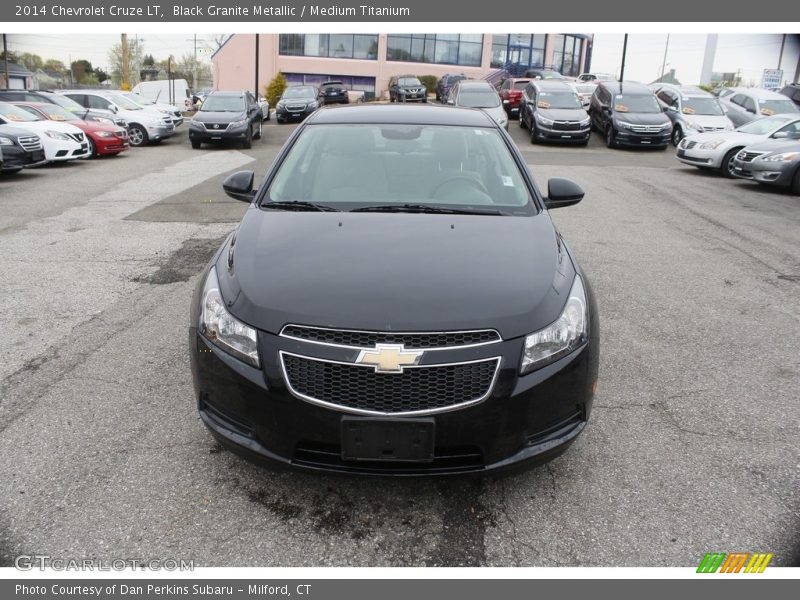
334 92
356 325
296 103
226 117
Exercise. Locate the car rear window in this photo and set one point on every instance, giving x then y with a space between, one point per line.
351 166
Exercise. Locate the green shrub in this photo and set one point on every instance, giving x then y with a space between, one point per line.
275 88
429 81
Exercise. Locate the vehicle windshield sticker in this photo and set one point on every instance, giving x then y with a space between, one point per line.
507 181
767 112
688 110
620 108
542 104
57 118
13 117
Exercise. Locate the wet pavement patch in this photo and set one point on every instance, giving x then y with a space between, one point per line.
185 262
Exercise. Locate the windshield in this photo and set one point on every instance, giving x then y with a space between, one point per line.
702 106
299 92
223 103
123 102
409 81
521 85
67 103
764 125
636 103
56 113
353 166
138 99
478 99
558 100
776 107
15 114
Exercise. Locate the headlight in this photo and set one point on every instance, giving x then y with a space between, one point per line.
544 120
222 328
624 124
712 145
105 134
585 122
696 127
312 104
668 125
782 157
104 121
57 135
4 141
196 125
280 104
240 123
568 332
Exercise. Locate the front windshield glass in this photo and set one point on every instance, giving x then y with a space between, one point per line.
124 102
409 81
354 166
558 100
702 106
15 114
478 99
56 113
636 103
764 125
67 103
140 100
299 92
776 107
223 103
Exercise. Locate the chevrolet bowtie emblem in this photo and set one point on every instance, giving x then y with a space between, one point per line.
389 358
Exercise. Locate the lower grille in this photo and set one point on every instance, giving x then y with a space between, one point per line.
325 456
556 430
417 390
78 137
411 341
30 143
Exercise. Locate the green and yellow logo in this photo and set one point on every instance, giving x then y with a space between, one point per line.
736 562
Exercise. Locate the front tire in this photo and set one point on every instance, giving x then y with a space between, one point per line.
677 136
196 145
796 182
258 136
534 134
726 166
248 143
137 135
611 137
92 148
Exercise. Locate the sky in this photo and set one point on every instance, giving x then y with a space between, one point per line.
749 53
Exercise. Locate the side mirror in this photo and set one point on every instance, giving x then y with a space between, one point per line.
451 101
562 192
780 135
113 108
239 186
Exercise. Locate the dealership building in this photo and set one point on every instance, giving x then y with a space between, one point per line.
366 61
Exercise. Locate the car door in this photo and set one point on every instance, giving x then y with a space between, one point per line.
253 112
736 110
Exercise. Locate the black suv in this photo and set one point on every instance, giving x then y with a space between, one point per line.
226 117
792 91
628 114
87 114
445 83
334 92
552 110
407 88
20 148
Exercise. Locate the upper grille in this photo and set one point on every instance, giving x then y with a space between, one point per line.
30 143
360 389
748 156
216 126
411 341
78 137
646 128
566 125
295 107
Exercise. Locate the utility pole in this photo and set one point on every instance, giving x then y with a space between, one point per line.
664 62
126 81
255 92
5 54
194 67
624 52
780 56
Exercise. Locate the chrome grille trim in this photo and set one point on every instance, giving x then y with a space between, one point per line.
352 410
30 143
387 337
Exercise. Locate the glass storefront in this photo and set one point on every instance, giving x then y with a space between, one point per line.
567 55
518 50
330 45
443 49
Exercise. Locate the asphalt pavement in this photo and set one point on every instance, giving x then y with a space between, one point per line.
692 446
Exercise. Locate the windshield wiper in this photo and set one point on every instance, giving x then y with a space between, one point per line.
299 205
426 208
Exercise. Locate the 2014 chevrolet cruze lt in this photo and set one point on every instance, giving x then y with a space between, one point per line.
396 300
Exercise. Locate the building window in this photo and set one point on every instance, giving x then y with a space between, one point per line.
364 84
333 45
443 49
567 55
518 50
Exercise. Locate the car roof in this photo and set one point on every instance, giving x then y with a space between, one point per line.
336 81
424 114
469 84
759 93
227 93
553 85
684 90
625 87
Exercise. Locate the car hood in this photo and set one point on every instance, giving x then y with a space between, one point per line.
498 113
775 146
729 137
643 118
563 114
41 126
208 116
16 132
709 120
396 272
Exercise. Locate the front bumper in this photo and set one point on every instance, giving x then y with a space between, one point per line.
525 420
631 138
336 99
560 135
62 150
160 132
699 157
284 114
780 174
198 133
408 97
15 158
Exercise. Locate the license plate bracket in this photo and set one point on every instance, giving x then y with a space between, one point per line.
387 439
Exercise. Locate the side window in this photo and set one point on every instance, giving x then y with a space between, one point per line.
738 99
793 129
530 92
97 102
506 84
79 98
796 96
749 104
664 96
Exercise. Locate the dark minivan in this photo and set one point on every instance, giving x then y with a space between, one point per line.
233 117
628 114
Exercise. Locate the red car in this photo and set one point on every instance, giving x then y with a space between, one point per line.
511 93
103 139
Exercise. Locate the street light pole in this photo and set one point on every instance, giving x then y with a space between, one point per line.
5 54
664 62
255 92
624 52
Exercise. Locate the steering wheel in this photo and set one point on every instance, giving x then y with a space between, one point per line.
462 181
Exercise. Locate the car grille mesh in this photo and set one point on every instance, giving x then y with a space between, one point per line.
748 156
411 341
690 145
646 128
30 143
360 388
566 125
